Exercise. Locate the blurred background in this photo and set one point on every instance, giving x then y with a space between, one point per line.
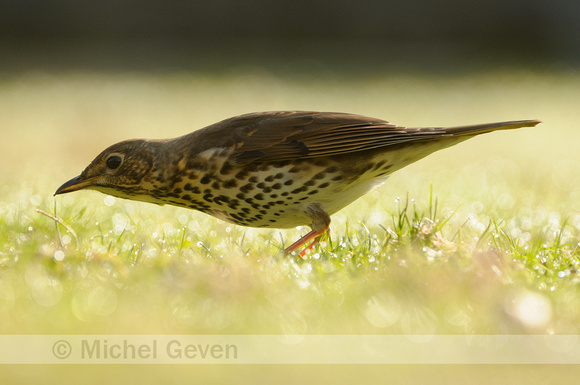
362 35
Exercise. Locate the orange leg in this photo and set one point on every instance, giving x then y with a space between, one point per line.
313 236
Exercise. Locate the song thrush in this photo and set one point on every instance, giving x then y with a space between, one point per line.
271 169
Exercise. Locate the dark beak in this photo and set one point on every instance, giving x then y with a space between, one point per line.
75 184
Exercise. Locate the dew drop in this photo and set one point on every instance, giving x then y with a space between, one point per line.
58 255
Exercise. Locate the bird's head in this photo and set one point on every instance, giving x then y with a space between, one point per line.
121 170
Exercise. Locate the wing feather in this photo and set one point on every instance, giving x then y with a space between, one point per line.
287 135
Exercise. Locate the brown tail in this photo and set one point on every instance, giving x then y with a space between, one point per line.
477 129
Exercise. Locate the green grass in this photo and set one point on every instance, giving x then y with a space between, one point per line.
419 271
481 238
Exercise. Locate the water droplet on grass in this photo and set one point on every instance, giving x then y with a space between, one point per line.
59 255
563 273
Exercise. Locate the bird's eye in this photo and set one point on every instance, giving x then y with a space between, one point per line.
114 162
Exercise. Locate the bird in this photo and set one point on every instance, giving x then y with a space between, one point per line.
277 169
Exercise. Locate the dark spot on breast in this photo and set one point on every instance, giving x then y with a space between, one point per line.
246 210
241 174
338 177
198 206
178 191
237 217
261 185
221 198
207 197
331 169
320 175
299 190
285 194
253 179
259 197
230 183
273 196
241 196
264 212
276 186
205 180
267 190
196 190
323 185
215 185
186 197
247 188
289 182
269 178
310 183
313 192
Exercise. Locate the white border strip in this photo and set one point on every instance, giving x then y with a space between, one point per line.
289 349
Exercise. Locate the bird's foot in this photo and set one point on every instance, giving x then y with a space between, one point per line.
309 241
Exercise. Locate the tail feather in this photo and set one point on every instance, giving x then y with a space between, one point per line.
477 129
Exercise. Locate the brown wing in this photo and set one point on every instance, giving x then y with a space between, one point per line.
285 135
